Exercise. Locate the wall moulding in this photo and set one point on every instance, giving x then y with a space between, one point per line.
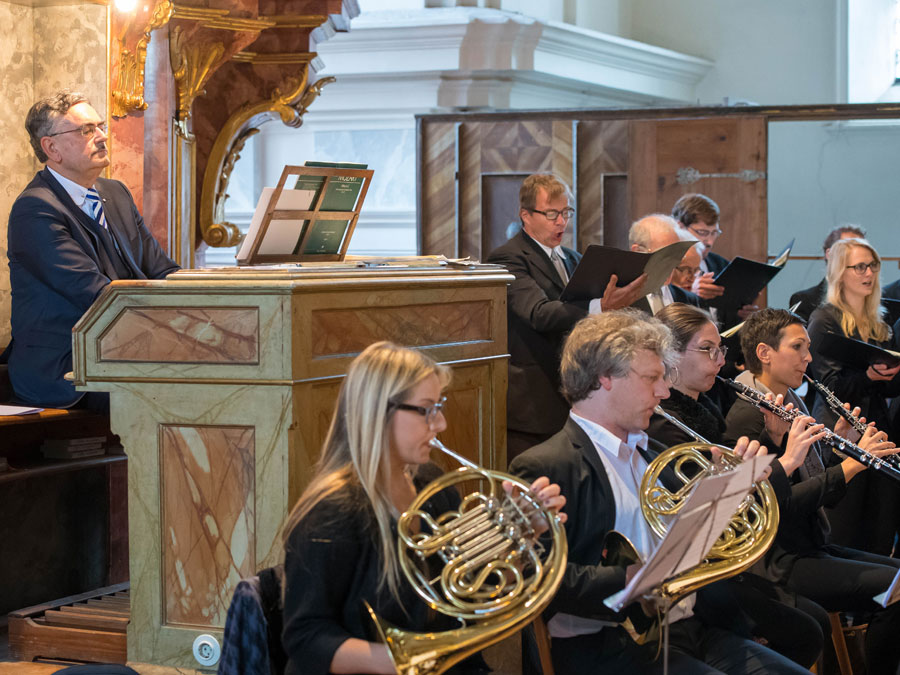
128 93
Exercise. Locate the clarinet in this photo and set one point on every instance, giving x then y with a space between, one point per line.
839 444
837 407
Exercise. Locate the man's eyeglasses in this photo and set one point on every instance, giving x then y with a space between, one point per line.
860 268
553 214
687 270
705 234
86 130
711 352
430 413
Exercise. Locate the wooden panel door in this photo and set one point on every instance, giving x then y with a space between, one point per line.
721 157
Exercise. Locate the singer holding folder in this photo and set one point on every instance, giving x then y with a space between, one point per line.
613 373
537 319
869 518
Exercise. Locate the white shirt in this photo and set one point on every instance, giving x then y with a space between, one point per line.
659 300
77 192
625 468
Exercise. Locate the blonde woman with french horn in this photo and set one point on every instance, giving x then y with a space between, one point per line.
341 537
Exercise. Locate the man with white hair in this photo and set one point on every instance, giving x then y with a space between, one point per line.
652 233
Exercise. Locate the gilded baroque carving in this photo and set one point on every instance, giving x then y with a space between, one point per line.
128 94
192 62
290 106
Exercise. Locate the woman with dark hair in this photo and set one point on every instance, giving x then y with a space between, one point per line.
791 625
341 537
868 517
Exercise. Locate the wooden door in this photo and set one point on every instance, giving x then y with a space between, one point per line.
721 157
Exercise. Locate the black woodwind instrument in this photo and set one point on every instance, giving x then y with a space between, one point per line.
838 444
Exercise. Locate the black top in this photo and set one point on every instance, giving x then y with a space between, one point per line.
332 564
849 384
809 299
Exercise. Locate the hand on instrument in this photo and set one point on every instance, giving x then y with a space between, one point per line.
615 297
775 426
704 287
804 432
879 372
875 443
843 429
550 497
746 449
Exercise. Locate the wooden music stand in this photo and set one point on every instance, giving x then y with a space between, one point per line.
311 216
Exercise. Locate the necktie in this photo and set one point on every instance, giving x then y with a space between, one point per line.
93 200
560 266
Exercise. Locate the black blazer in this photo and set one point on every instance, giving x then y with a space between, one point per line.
538 322
892 290
809 299
60 260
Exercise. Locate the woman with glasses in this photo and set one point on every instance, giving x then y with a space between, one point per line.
341 538
794 627
853 309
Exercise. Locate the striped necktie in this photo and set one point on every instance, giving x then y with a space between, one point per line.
559 265
93 200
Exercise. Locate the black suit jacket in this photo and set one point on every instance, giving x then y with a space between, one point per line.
892 290
537 322
809 299
60 260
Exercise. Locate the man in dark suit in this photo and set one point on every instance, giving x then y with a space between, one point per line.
810 298
70 234
652 233
537 319
613 373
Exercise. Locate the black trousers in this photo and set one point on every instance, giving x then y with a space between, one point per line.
694 649
844 579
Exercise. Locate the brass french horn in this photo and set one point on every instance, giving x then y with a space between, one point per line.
748 535
495 576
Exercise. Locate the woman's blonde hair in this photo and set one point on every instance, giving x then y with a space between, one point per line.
356 448
869 324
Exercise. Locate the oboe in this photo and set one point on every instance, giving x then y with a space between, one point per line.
837 443
837 406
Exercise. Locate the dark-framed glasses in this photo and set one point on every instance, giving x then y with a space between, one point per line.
86 130
712 352
860 268
553 214
430 413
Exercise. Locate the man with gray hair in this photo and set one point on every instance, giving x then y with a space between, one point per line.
652 233
613 373
71 232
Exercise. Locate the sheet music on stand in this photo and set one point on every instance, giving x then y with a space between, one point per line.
694 530
892 594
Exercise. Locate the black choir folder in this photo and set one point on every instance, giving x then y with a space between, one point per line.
599 263
743 279
856 353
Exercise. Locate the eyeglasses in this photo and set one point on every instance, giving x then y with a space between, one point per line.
86 130
669 376
705 234
711 352
430 413
860 268
687 270
553 214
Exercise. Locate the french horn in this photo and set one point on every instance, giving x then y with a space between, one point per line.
495 576
749 534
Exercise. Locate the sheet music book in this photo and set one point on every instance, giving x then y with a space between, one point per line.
694 530
282 235
782 258
743 279
856 353
892 594
599 263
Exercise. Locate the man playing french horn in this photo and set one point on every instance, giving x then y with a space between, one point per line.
613 374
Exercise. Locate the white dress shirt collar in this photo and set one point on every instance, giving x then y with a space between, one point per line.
76 192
